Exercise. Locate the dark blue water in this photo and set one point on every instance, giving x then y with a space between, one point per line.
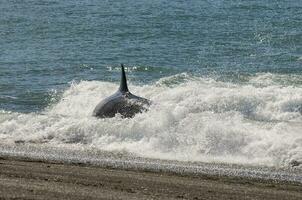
46 44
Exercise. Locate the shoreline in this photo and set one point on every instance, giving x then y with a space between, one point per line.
124 161
36 179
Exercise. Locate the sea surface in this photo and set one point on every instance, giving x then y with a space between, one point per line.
225 79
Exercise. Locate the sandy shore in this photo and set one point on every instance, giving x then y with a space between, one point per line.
24 179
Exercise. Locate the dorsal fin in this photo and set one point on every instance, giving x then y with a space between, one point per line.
123 85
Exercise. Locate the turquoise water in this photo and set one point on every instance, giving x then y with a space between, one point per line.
225 79
46 44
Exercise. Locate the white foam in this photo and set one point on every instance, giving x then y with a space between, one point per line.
195 119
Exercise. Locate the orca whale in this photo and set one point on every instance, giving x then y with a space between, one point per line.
122 102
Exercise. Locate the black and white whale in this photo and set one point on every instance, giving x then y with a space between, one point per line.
122 102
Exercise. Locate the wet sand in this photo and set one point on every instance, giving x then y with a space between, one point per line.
25 179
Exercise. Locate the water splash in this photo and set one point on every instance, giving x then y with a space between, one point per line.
192 119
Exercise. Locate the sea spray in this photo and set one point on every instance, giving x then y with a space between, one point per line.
191 119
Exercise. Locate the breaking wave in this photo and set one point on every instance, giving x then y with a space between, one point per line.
257 122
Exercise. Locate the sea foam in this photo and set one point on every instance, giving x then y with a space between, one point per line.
258 122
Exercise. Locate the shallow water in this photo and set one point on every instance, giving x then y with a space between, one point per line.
191 119
225 78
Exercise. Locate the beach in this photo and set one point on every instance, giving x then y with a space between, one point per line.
224 79
32 179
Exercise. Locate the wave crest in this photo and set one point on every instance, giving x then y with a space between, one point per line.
191 119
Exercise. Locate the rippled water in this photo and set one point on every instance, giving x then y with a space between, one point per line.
225 78
46 44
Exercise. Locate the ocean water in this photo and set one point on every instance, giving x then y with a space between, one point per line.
225 79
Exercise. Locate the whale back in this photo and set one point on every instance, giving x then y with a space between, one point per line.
122 102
